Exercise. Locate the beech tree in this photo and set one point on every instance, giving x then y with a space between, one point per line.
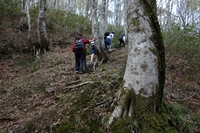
144 78
29 19
95 22
118 14
99 32
42 34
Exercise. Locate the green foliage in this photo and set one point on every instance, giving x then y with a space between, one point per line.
30 127
173 119
183 42
66 128
55 18
119 30
2 89
34 11
180 118
78 23
11 8
196 120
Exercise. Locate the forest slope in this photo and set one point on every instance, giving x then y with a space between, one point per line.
46 95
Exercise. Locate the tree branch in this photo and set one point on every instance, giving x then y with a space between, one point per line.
81 84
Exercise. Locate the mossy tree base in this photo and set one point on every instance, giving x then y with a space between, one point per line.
144 123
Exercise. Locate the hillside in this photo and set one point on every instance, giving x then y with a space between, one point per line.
45 95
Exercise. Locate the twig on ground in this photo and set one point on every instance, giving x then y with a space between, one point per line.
6 119
186 99
107 101
73 82
81 84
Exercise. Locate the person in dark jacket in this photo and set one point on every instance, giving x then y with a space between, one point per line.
107 40
80 53
121 41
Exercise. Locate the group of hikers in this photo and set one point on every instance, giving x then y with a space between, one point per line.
79 49
108 37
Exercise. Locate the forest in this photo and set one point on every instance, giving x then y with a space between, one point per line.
149 86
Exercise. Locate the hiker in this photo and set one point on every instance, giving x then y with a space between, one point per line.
79 49
93 52
111 37
107 40
121 40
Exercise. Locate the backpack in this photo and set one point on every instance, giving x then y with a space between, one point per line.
79 45
107 34
120 38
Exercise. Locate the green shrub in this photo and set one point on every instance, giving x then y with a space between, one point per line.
183 42
34 11
55 18
11 9
180 118
78 24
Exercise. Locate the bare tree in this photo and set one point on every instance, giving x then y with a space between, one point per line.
23 19
42 34
98 32
182 12
29 19
87 8
95 21
187 11
144 76
118 13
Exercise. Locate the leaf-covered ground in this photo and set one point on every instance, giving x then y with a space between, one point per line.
45 95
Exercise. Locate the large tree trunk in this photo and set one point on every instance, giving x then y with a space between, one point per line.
42 34
144 76
95 20
23 21
100 46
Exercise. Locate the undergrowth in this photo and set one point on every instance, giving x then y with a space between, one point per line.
87 108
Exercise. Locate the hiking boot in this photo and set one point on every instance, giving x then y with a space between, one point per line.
85 69
76 72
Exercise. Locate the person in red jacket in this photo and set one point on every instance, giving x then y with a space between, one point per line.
79 49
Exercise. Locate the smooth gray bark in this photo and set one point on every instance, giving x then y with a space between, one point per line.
42 34
145 68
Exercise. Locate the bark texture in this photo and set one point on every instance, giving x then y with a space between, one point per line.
102 55
42 34
29 19
145 69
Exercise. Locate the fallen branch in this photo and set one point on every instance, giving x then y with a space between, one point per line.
186 99
107 101
82 84
73 82
6 119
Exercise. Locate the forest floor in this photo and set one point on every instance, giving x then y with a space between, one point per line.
45 95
